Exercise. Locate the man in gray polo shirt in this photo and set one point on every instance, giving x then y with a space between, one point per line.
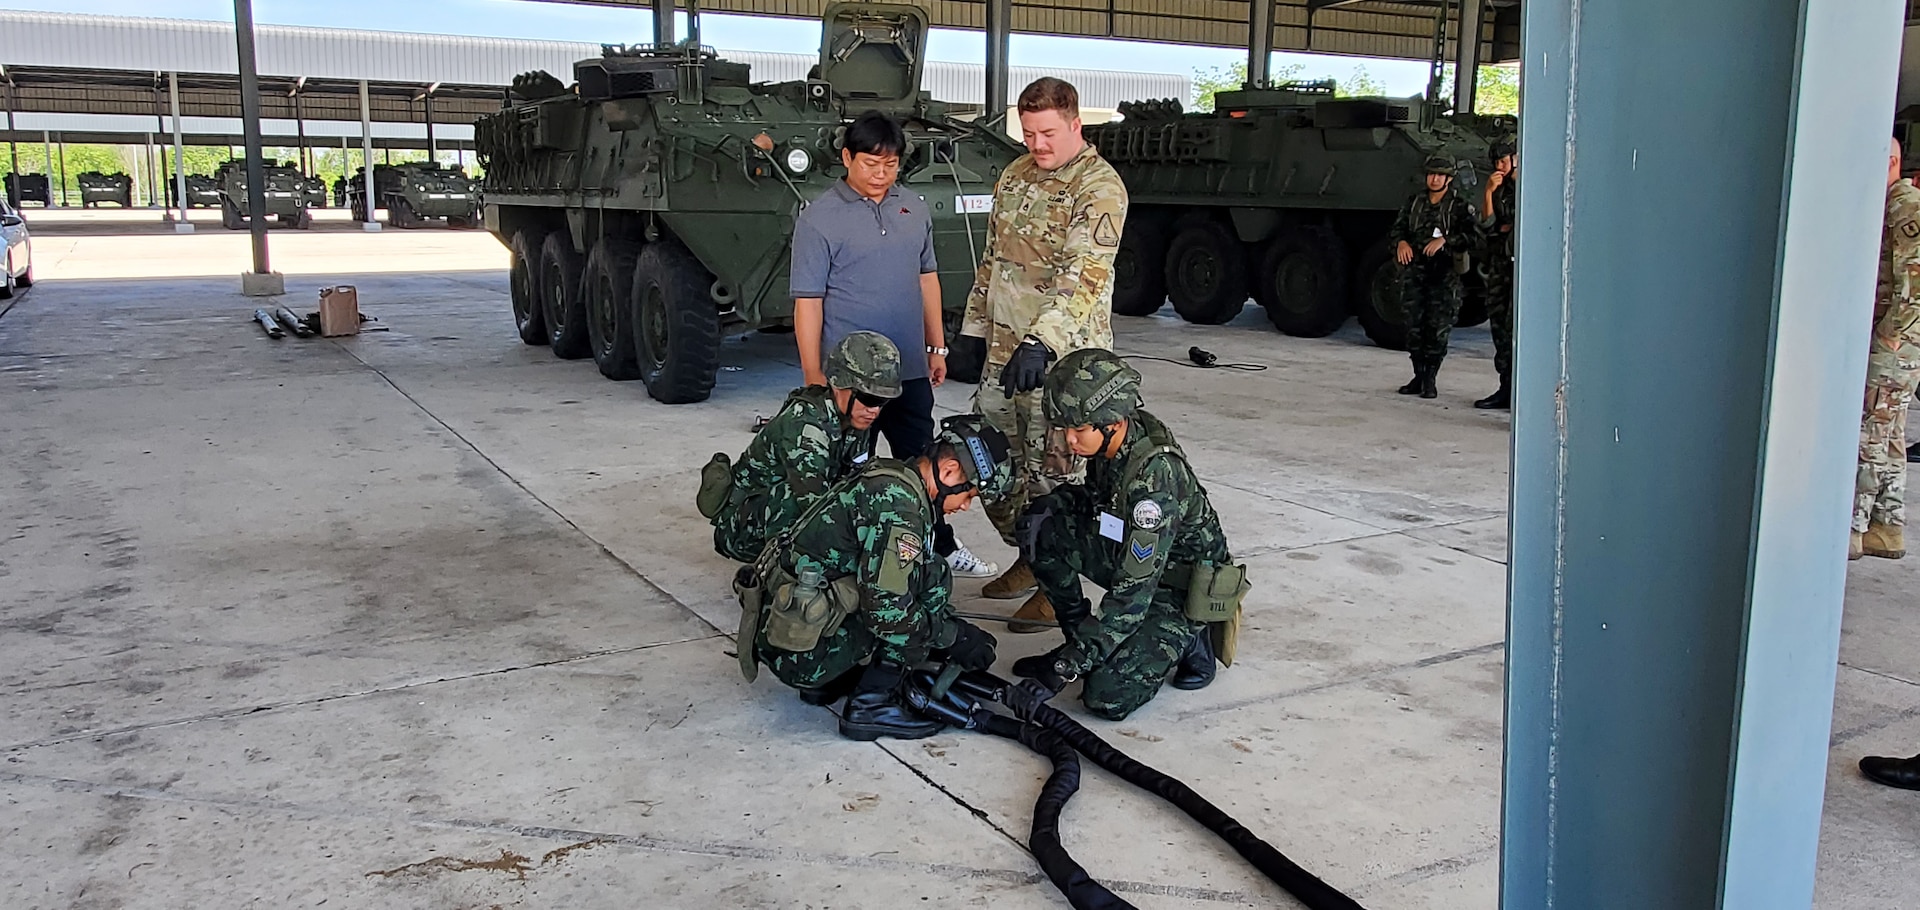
863 261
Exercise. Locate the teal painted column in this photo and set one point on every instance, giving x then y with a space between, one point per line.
1699 226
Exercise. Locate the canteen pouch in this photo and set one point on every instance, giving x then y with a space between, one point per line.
716 485
799 618
1214 592
746 586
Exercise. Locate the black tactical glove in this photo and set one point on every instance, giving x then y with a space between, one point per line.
1031 523
1026 370
1052 671
972 648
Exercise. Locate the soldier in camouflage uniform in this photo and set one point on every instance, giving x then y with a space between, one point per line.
1044 289
1435 231
1893 366
820 435
871 537
1496 268
1138 528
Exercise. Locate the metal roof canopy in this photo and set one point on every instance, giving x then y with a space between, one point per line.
59 90
1372 28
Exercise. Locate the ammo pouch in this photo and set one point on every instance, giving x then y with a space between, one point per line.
1214 592
1462 263
747 587
716 486
797 617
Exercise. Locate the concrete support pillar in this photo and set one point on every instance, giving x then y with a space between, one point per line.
999 28
1466 68
181 224
372 222
1691 352
1259 41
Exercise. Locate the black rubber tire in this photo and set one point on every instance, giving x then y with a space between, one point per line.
1206 272
1473 300
523 288
607 288
306 220
676 324
1302 282
1376 297
400 213
563 311
7 283
1139 268
966 355
230 217
25 279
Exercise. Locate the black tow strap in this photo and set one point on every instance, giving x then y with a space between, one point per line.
1063 740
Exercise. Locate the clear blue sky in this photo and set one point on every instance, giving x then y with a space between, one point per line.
578 22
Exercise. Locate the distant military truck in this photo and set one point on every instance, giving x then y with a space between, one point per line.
649 211
96 187
316 190
203 191
285 192
417 192
30 188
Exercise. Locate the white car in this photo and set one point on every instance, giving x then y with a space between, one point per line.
19 251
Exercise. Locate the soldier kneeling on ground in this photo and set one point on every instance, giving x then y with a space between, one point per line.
1142 528
821 435
855 581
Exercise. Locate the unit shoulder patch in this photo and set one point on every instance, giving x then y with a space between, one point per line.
1910 229
1104 231
899 554
1147 515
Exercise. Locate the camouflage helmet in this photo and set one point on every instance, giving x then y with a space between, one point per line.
865 362
1502 148
1091 387
983 453
1439 165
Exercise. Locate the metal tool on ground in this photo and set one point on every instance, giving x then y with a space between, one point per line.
963 699
272 328
292 322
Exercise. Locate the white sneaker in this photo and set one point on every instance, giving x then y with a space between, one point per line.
967 565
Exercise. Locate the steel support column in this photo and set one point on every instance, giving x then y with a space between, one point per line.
1466 63
999 16
60 142
250 129
1259 41
13 150
433 151
662 21
179 155
1692 341
366 158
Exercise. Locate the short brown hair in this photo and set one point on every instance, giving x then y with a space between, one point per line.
1050 94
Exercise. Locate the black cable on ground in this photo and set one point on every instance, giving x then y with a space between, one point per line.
1200 358
1082 891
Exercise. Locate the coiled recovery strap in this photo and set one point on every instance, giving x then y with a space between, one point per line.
960 699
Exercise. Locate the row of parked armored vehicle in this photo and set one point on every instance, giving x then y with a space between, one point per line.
413 194
649 207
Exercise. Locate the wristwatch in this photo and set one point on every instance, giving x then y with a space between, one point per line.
1065 671
933 350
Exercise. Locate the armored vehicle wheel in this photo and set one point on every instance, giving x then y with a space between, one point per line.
966 356
523 265
562 310
401 214
607 286
1302 283
359 211
676 325
459 224
305 221
1206 273
1473 300
1139 276
1376 292
230 217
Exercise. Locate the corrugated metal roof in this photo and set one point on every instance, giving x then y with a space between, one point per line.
192 46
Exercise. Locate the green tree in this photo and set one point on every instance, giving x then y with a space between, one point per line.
1209 82
1360 83
1497 90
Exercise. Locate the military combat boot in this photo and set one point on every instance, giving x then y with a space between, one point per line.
1894 772
1427 388
833 689
876 709
1913 453
1016 581
1884 541
1500 400
1856 547
1038 613
1413 385
1196 667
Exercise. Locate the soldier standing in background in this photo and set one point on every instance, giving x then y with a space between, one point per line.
1434 234
1893 366
1044 289
1496 266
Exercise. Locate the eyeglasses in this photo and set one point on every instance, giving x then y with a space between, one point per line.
871 401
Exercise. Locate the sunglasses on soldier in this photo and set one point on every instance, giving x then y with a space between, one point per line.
870 401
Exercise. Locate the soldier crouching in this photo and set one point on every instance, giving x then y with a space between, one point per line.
1142 528
852 596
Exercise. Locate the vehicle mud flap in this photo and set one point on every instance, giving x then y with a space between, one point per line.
746 586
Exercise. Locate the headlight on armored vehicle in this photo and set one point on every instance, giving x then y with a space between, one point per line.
798 161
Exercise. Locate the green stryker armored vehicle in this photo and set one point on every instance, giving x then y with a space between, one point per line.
96 187
650 209
1282 193
285 192
316 190
414 193
203 191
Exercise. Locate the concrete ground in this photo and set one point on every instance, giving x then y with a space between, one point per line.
426 619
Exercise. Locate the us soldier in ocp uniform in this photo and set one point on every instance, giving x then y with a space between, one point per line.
1142 528
1496 267
1893 366
1044 289
821 435
865 551
1433 236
